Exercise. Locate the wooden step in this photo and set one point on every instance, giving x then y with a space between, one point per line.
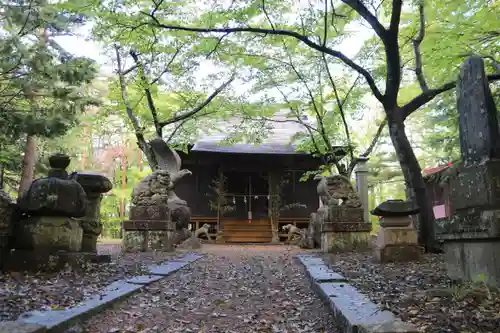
245 222
248 239
264 233
260 227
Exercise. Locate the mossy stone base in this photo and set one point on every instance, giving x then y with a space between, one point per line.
345 241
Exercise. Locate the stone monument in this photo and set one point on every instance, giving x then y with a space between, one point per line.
343 227
48 234
397 239
94 186
472 235
158 217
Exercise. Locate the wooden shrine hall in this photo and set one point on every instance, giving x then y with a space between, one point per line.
241 189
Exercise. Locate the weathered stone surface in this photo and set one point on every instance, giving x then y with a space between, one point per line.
332 189
476 186
92 182
94 185
399 253
152 190
471 235
321 274
7 205
354 312
167 268
345 241
395 208
159 212
55 195
57 321
144 279
396 236
345 214
189 257
310 260
312 238
18 327
192 243
34 261
470 259
478 124
48 234
346 227
395 221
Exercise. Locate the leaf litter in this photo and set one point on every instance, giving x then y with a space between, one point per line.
421 293
231 289
22 292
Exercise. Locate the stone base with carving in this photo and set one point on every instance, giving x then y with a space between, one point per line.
21 260
345 230
47 233
344 241
149 235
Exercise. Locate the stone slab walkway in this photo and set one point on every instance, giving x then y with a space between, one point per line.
231 289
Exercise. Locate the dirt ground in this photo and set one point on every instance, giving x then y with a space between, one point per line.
231 289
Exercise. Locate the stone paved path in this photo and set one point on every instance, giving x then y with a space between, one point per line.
232 289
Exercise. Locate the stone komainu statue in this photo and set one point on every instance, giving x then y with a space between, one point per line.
337 190
152 189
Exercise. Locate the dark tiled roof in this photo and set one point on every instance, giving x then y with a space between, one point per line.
241 148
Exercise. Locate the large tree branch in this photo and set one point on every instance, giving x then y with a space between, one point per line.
340 105
304 39
416 49
396 16
375 139
428 96
200 107
139 131
361 9
147 91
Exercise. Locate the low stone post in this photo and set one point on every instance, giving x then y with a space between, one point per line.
361 172
397 239
94 185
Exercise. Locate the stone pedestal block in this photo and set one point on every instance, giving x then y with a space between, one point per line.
473 259
397 244
345 241
34 261
149 235
49 234
345 230
398 253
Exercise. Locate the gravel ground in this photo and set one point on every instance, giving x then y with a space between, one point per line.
231 289
421 293
21 292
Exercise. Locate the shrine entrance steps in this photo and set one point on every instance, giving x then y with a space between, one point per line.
241 231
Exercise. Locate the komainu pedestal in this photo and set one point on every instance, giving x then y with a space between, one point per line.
397 239
345 230
149 227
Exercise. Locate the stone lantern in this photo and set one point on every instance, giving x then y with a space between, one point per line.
396 238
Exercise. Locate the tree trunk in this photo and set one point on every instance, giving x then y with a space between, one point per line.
413 178
28 168
2 175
